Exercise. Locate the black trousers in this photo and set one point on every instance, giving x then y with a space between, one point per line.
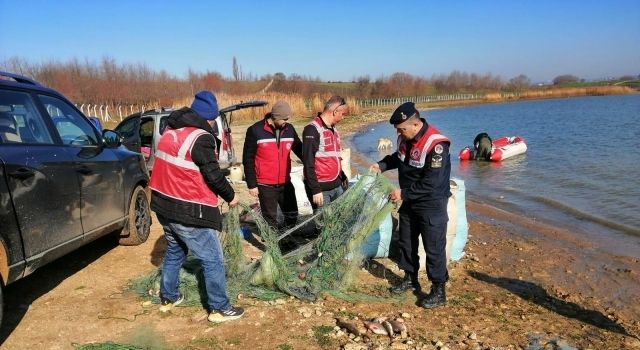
431 225
284 196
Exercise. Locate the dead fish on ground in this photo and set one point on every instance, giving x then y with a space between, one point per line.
380 319
376 328
348 326
398 327
387 327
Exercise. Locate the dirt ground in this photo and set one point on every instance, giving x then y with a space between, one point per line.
521 282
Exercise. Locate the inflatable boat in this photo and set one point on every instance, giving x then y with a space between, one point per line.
502 148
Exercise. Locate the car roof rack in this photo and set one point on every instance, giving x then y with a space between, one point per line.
19 78
159 110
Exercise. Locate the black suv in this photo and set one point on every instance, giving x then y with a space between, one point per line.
63 183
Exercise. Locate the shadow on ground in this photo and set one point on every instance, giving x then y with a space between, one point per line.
19 296
534 293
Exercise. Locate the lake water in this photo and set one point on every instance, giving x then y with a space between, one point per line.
581 168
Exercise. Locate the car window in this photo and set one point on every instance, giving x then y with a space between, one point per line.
146 131
20 121
127 128
164 121
72 127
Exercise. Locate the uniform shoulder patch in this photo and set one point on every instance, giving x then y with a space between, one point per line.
438 149
436 161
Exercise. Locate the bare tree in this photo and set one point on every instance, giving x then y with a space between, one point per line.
237 70
520 82
565 79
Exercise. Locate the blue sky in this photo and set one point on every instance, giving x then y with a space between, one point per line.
334 40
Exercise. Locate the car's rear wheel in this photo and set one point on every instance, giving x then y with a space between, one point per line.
136 230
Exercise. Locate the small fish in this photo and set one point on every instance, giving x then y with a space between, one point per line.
348 326
375 328
380 319
398 327
387 327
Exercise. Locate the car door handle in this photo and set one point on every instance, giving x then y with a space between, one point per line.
84 170
22 173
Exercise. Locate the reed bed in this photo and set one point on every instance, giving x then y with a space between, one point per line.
564 92
302 106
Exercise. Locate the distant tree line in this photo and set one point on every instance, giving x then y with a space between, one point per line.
108 82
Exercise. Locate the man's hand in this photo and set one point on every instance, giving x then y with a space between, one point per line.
254 192
375 168
318 199
345 183
234 201
395 195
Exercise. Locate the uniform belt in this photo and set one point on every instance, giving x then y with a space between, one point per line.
274 186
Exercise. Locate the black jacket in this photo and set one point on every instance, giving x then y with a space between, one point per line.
425 187
203 154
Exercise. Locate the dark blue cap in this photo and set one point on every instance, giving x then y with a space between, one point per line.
206 105
403 112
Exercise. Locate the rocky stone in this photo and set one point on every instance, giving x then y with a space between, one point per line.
399 345
353 346
472 336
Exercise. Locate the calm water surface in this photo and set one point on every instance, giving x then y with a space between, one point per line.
582 167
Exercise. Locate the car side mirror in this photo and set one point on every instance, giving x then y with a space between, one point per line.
111 139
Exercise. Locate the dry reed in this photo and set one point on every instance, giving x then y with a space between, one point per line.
563 92
302 106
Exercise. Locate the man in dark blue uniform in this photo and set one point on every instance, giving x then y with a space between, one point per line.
424 169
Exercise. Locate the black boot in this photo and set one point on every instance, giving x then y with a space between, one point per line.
409 282
437 297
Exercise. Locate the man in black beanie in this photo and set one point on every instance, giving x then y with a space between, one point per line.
424 169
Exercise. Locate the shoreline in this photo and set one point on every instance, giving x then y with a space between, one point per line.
589 296
582 255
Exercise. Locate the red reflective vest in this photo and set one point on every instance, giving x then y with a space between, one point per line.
422 147
327 158
175 174
273 161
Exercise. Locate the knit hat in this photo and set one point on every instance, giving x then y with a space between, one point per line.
206 105
280 110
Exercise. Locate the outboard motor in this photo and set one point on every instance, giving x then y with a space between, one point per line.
483 145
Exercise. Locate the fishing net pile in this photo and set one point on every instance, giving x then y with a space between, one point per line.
325 264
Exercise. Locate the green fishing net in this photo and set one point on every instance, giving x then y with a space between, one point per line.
326 263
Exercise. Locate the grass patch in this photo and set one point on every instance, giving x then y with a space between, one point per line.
285 346
234 341
321 333
206 343
107 346
346 314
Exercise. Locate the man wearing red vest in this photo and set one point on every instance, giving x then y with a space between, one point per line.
266 157
324 179
186 182
424 169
